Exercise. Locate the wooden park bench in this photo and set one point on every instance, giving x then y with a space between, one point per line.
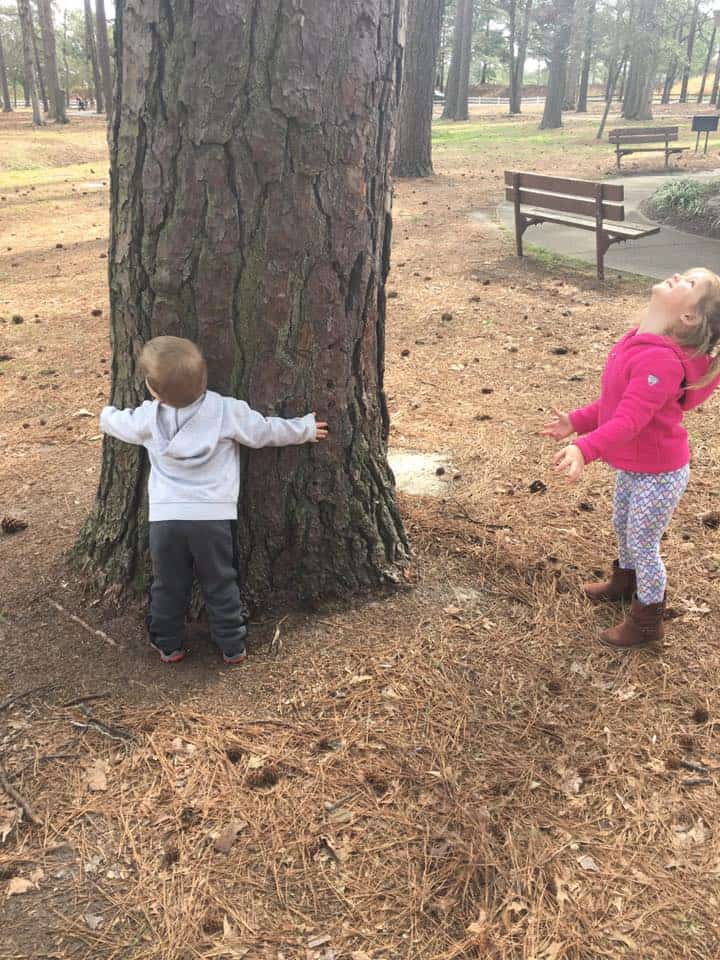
635 140
584 204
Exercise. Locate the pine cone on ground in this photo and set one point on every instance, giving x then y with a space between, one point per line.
12 525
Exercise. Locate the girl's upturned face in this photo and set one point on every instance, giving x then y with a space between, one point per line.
681 293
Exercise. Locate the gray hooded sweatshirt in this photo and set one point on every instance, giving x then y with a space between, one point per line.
194 457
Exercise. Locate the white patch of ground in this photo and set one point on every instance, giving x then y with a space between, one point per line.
417 473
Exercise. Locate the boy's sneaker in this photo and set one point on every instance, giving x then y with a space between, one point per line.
232 659
175 657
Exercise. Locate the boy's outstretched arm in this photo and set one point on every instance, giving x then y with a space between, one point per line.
252 429
132 426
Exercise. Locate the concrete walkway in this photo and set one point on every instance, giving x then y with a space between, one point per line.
657 256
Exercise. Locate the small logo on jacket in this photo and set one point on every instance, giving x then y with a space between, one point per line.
652 379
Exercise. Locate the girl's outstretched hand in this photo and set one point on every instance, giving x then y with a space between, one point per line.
321 429
560 427
571 462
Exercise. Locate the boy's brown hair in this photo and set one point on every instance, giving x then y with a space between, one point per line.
175 369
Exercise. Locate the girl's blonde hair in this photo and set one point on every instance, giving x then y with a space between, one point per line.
704 336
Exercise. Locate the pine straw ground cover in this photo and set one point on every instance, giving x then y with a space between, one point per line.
455 770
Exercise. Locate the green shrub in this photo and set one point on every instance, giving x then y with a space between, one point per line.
684 197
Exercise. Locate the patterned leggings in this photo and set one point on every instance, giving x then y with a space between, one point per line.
642 508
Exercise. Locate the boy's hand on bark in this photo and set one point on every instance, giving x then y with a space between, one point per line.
571 462
559 428
321 429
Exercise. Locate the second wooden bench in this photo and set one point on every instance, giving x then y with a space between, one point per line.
583 204
636 140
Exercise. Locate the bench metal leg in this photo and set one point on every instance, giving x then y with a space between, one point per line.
602 242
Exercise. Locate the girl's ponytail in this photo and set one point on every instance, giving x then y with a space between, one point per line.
704 337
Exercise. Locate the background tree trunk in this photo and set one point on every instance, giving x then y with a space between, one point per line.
91 51
103 53
7 105
461 111
453 77
572 74
637 94
39 71
690 45
552 114
587 59
706 67
250 212
66 65
716 83
51 70
27 42
519 72
413 152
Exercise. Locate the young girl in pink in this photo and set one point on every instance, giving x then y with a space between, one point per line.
652 376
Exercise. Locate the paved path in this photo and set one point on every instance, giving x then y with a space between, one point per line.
657 256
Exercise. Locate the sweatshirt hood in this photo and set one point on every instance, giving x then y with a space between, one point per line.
195 441
694 364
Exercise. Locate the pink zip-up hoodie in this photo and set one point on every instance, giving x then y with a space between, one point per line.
636 424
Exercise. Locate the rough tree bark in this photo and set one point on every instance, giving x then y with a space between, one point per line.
103 53
552 114
7 105
587 59
250 200
575 47
91 52
461 110
51 70
26 28
716 83
413 152
453 77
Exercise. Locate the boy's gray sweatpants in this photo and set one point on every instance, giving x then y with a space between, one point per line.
207 547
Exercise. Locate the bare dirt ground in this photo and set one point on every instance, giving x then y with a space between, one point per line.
457 770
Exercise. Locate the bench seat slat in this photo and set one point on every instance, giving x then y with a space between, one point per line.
628 231
612 192
565 203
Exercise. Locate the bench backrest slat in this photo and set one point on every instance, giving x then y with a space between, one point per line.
566 204
612 192
643 134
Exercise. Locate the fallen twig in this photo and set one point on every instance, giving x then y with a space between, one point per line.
83 624
92 696
18 798
106 729
694 767
698 782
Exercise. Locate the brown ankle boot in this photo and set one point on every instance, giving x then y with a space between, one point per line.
620 586
643 624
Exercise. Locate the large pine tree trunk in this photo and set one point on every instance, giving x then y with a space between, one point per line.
26 28
51 70
572 74
413 152
250 201
103 53
461 110
91 52
453 77
706 66
552 114
7 105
